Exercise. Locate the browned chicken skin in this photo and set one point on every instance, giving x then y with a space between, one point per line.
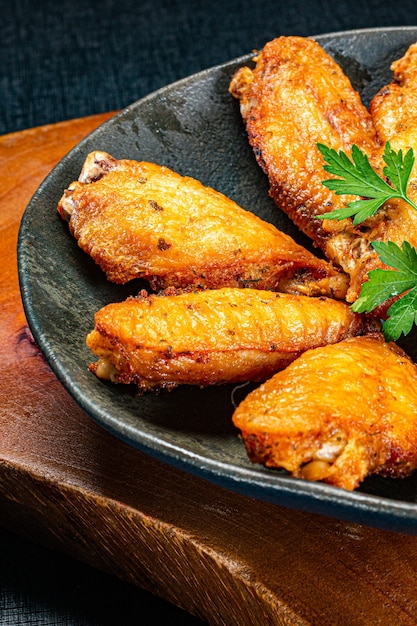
141 220
213 336
394 107
337 414
394 115
295 97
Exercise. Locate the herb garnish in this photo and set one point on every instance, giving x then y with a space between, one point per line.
357 177
360 179
385 284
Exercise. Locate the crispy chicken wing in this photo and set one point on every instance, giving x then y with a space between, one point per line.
394 114
337 414
213 336
141 220
394 107
295 97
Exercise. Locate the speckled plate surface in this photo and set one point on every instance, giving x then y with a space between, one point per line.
194 127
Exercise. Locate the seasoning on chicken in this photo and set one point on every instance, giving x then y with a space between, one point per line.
213 336
295 97
336 414
394 114
394 107
142 220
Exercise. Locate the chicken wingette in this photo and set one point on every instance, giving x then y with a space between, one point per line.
337 414
394 115
213 336
394 107
142 220
295 97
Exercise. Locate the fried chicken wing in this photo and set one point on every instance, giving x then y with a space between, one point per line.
336 414
213 336
394 107
394 114
295 97
142 220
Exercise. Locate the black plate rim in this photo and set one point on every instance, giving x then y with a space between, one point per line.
258 483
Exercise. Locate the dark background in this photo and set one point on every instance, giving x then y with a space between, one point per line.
67 59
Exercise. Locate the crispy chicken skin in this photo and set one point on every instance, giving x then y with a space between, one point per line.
213 336
142 220
337 414
394 114
295 97
394 107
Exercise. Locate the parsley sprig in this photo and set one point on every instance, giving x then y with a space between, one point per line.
384 284
357 177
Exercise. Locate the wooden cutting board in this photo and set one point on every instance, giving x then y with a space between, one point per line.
69 485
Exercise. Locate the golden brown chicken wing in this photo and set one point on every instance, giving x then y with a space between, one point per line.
295 97
141 220
394 114
394 107
337 414
213 336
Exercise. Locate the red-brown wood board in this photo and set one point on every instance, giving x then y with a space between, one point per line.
69 485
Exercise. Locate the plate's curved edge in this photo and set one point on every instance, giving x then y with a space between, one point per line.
329 502
264 484
322 499
370 29
280 490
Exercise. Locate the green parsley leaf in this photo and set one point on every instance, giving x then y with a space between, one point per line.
357 177
401 316
385 284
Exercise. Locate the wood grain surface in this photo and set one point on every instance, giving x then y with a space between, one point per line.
69 485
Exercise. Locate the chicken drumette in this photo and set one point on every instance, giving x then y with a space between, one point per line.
336 414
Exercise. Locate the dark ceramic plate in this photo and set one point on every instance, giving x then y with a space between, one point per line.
194 127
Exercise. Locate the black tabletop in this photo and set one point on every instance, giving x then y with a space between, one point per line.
67 59
39 587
